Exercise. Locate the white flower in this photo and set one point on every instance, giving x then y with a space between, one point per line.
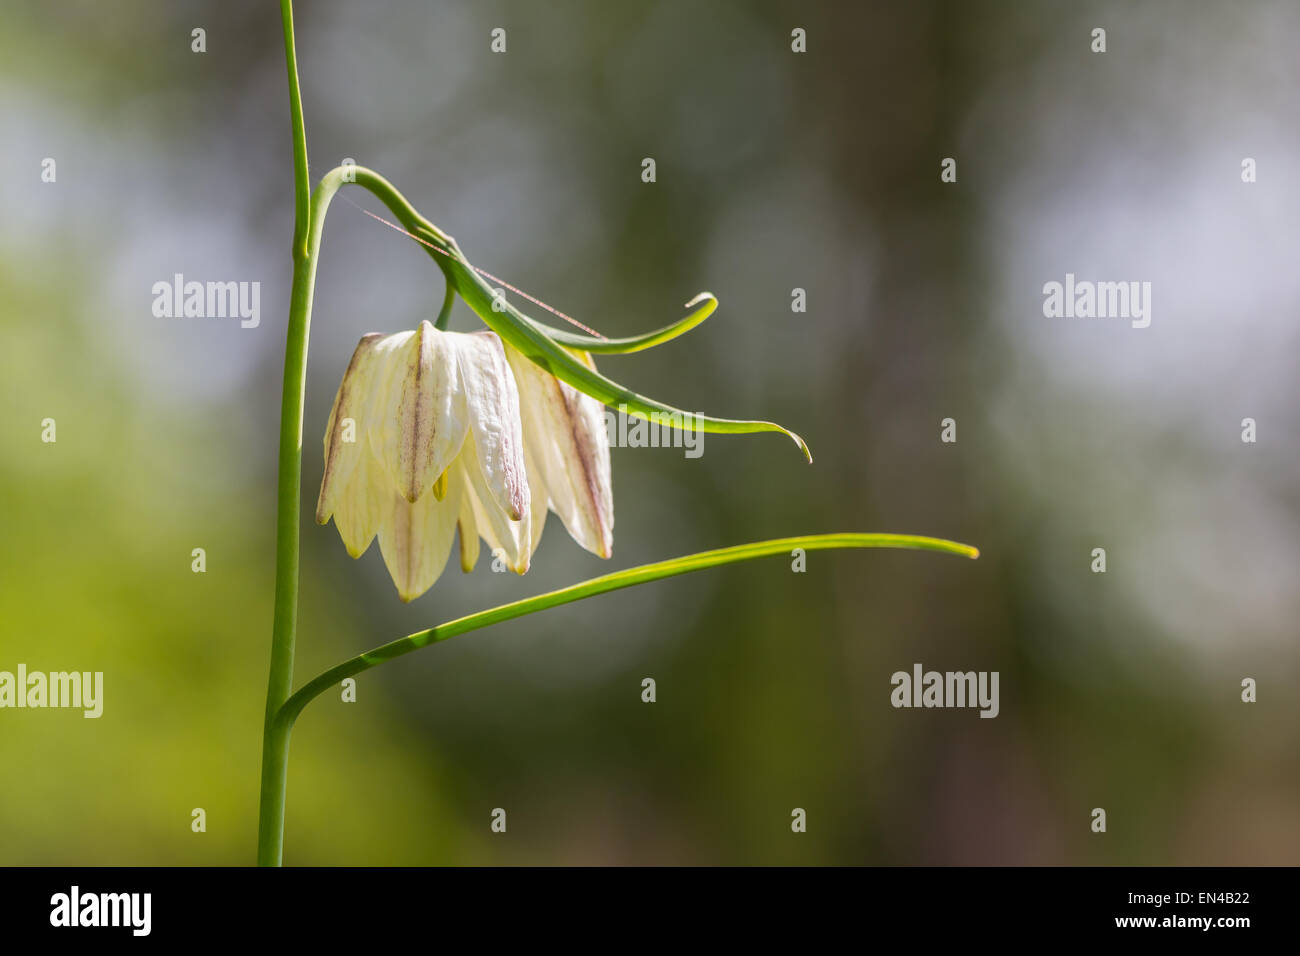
430 434
436 444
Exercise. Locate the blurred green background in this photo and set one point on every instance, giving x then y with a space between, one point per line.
775 170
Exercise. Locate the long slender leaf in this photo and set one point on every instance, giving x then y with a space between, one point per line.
604 584
636 343
521 332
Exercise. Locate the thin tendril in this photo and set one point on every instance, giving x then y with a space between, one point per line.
483 272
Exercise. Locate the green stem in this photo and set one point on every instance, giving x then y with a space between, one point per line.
301 177
275 737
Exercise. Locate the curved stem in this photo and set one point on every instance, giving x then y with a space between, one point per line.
444 314
609 582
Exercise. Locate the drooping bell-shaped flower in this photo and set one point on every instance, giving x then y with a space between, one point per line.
566 448
424 438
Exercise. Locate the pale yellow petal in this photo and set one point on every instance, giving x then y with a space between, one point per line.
493 406
423 418
361 505
345 437
466 526
415 539
537 494
511 540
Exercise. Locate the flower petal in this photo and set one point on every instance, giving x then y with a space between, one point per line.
568 438
466 525
538 495
415 539
494 420
352 401
360 507
421 415
509 540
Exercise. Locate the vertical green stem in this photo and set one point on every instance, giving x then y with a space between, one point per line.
301 177
275 739
275 735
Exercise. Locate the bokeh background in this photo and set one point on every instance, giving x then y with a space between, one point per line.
775 170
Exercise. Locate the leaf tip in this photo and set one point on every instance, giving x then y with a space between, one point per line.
803 445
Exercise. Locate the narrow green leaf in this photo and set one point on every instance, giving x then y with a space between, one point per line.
636 343
611 582
521 332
